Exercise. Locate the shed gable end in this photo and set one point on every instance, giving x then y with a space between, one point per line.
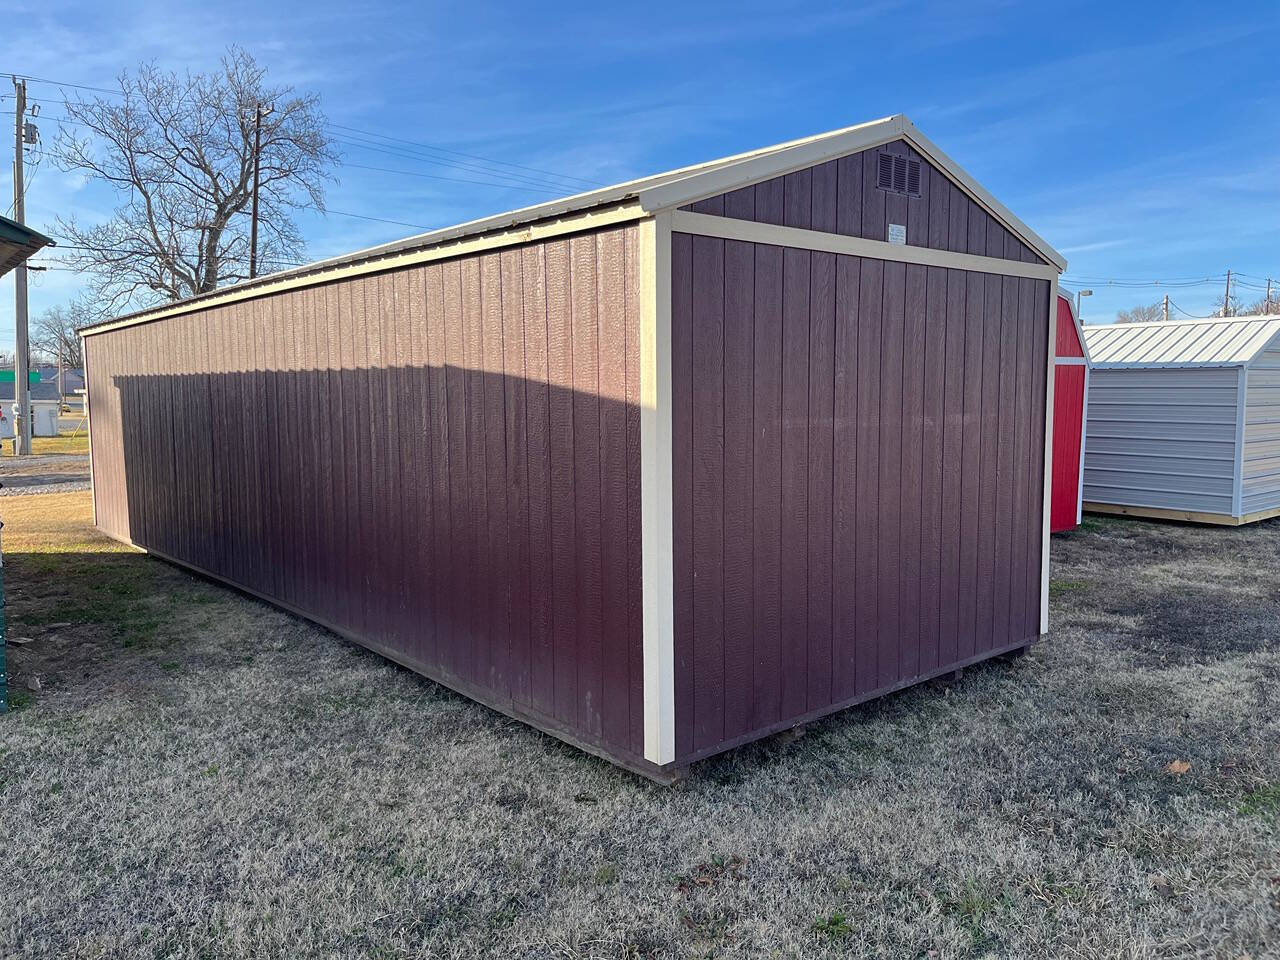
845 196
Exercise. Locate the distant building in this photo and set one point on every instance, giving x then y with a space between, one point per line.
44 409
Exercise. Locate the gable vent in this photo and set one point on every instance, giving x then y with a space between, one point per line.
898 174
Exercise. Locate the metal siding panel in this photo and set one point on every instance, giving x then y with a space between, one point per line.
971 471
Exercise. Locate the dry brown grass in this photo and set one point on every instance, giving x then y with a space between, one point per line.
67 441
205 776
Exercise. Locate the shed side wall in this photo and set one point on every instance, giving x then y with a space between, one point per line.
858 480
841 196
1260 483
442 461
1163 438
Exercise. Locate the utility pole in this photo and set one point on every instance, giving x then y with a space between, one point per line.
1166 308
1226 297
258 114
1267 308
21 388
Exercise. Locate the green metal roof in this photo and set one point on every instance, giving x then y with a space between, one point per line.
18 243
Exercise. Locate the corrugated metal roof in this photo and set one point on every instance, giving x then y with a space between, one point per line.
1224 342
17 243
668 190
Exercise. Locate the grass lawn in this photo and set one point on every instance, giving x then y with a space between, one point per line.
202 775
67 441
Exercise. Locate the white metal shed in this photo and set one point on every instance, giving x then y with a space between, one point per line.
1184 419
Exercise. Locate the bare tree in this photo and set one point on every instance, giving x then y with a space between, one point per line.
55 329
1142 314
179 153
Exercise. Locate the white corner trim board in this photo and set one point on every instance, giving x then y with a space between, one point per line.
730 228
656 453
1047 496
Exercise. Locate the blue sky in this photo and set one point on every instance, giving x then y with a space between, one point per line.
1140 139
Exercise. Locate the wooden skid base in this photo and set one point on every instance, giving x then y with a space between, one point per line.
1186 516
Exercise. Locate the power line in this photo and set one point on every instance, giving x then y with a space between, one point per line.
432 176
459 153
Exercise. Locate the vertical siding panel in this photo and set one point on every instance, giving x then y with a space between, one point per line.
635 600
615 705
342 404
301 410
955 392
404 440
933 440
795 459
1009 417
494 671
708 491
825 202
586 451
849 195
326 451
515 385
682 477
564 575
415 373
820 474
891 494
476 656
771 202
873 202
867 571
971 470
279 452
938 197
362 520
739 503
845 483
766 492
987 519
912 485
797 195
443 559
538 404
462 557
958 219
376 535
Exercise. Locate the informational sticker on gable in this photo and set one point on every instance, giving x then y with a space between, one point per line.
898 233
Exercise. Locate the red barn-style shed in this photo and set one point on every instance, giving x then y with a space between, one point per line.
1070 413
661 468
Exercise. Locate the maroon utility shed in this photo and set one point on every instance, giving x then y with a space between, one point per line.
660 468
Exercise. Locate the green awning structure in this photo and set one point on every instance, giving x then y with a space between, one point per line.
18 243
